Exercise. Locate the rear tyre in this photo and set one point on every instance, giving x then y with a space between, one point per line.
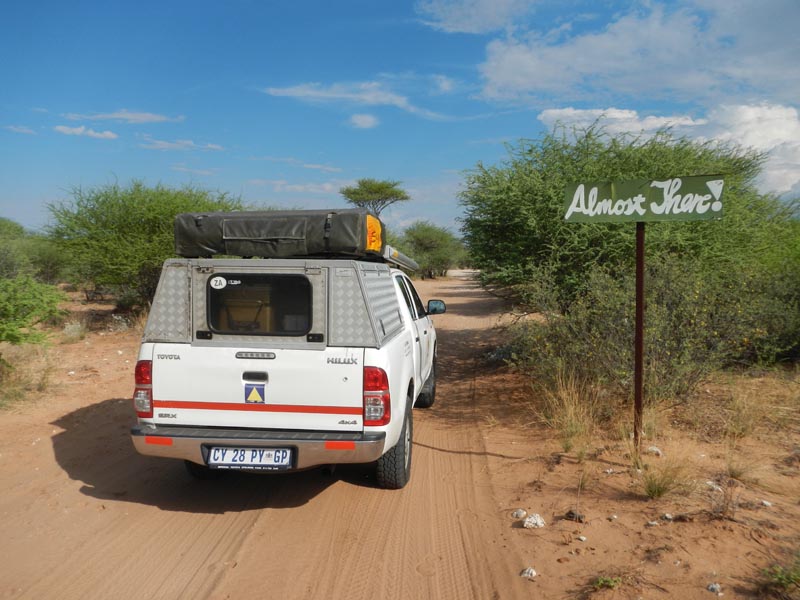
201 472
394 467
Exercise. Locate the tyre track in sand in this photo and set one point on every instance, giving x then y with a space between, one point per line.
440 538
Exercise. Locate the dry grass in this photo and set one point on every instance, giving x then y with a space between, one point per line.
74 330
138 321
27 371
744 412
570 409
741 466
725 499
674 475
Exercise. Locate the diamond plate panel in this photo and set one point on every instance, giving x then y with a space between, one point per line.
349 323
170 318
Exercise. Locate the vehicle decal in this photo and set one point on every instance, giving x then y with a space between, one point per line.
291 408
335 360
254 393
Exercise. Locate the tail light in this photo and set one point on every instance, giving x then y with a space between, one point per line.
143 393
377 402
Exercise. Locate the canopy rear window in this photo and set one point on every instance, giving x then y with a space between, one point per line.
247 304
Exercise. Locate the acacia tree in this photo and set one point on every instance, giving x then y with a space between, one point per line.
514 223
718 292
374 195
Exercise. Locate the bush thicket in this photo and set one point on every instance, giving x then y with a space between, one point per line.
433 247
25 303
118 237
26 299
718 292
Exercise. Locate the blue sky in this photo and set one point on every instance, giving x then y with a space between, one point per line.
284 102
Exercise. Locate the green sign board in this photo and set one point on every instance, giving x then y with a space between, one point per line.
675 199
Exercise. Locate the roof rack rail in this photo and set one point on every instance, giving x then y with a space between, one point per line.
391 255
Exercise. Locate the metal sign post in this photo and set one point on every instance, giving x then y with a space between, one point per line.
676 199
638 342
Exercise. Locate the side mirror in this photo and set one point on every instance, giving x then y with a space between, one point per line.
436 307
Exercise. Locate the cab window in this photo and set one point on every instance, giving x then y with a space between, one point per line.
415 306
406 295
421 312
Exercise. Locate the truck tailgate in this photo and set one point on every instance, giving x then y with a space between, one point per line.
316 390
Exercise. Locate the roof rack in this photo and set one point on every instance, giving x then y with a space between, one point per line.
395 257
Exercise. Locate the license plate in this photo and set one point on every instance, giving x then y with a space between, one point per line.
268 459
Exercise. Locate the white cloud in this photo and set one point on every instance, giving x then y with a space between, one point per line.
125 116
153 144
20 129
472 16
281 185
444 84
364 121
367 93
324 168
299 163
615 120
82 130
182 168
770 128
761 126
700 52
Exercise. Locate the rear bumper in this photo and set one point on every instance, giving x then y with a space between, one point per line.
310 449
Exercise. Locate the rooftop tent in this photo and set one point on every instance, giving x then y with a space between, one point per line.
283 234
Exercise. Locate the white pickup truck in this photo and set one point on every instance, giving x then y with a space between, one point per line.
276 364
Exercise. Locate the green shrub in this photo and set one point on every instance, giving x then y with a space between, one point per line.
48 263
119 237
434 248
514 215
697 320
604 582
25 303
719 291
23 253
783 581
13 261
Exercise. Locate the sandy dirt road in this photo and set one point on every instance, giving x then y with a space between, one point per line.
83 516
